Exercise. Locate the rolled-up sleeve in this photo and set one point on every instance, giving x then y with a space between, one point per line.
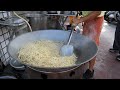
102 13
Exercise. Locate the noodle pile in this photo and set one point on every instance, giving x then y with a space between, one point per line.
45 53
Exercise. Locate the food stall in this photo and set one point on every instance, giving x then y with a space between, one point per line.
50 26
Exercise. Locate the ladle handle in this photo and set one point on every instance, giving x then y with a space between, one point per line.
70 36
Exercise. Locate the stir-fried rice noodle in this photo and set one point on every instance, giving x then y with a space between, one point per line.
45 53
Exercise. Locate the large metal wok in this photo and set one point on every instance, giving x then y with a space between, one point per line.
84 48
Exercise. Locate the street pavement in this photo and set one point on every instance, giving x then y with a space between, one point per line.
107 67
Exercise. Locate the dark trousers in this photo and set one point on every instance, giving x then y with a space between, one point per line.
116 44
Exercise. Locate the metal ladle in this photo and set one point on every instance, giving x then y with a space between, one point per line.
67 50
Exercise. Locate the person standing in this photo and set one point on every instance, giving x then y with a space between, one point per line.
92 26
116 44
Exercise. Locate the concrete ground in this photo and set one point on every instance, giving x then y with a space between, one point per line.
107 67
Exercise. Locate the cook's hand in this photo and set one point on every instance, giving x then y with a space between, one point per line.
76 21
67 23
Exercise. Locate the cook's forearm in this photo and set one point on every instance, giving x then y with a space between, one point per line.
91 16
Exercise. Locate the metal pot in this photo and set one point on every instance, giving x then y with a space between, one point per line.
52 12
42 21
84 48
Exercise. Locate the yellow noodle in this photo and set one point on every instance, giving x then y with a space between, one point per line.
45 53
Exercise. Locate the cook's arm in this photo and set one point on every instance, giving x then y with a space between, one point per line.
89 17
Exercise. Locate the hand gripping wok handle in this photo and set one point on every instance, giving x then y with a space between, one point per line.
70 36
